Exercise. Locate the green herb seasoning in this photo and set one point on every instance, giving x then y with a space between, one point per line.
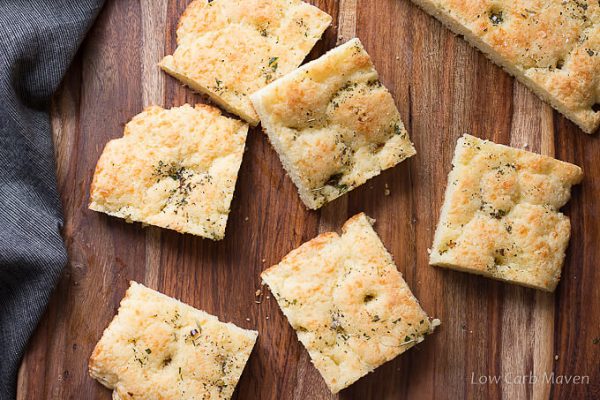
496 17
274 63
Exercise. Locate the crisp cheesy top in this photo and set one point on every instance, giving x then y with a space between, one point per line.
159 348
333 124
500 216
347 302
229 49
174 168
553 43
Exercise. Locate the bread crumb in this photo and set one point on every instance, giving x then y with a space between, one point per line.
434 324
387 191
258 293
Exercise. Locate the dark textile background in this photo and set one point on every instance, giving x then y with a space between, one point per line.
38 39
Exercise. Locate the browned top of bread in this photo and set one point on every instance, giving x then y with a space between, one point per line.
347 302
333 124
173 168
228 49
500 216
551 45
159 348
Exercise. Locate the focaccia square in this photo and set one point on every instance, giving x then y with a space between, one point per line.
551 46
501 216
175 169
347 302
228 49
333 124
159 348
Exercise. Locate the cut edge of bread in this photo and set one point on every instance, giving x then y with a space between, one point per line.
167 65
454 267
450 189
305 193
458 29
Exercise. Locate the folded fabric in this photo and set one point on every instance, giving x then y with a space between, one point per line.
38 40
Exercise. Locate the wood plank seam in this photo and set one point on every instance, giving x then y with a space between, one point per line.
154 24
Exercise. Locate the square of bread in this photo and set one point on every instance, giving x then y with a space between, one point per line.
347 302
551 46
174 168
501 216
333 124
160 348
228 49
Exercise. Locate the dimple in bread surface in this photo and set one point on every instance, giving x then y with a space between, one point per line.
159 348
347 302
501 216
175 169
333 124
228 49
552 46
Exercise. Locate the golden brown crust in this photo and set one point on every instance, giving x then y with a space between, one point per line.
500 216
228 49
553 46
159 348
347 302
174 168
333 124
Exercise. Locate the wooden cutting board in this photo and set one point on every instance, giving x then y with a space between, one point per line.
443 88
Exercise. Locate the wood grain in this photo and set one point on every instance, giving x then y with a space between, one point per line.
443 88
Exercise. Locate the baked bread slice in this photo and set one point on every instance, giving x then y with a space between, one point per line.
333 124
501 216
159 348
551 46
228 49
174 168
347 302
